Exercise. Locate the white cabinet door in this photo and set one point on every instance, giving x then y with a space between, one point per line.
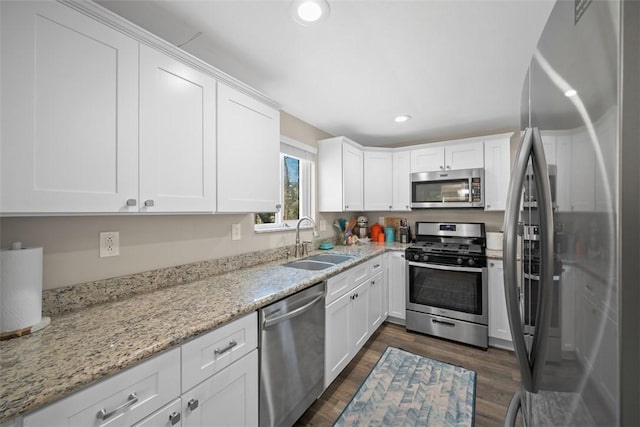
401 181
177 135
378 181
464 156
248 153
498 317
338 346
549 146
497 173
359 316
427 159
376 313
69 112
352 178
396 279
228 398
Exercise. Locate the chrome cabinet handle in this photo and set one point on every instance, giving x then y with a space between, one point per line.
406 206
229 346
103 414
376 266
174 418
192 404
148 203
510 272
278 206
442 322
441 167
390 206
346 206
448 166
488 206
132 202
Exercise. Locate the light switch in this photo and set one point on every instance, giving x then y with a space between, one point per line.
236 231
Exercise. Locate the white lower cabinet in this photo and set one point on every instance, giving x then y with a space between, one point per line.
228 398
396 282
219 373
354 309
376 301
123 399
499 330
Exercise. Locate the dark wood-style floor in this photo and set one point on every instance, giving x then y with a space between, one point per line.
497 374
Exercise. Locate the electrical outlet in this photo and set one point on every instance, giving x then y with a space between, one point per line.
109 244
236 231
323 225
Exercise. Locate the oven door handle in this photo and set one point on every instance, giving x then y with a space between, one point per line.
447 267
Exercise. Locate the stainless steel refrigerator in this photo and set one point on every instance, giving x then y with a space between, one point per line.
571 232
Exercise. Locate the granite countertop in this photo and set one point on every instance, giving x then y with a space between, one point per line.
82 347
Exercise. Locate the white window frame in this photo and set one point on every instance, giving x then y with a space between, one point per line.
307 156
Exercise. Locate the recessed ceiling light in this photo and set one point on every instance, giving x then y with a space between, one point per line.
571 92
306 12
401 119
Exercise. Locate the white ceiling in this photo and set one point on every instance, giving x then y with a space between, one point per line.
456 67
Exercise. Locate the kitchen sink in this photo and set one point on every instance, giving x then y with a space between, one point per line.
331 258
319 262
306 264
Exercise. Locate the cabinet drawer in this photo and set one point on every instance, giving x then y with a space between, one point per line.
376 265
154 383
360 272
338 286
216 350
168 416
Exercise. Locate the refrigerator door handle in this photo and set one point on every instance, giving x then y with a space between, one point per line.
543 312
510 249
512 410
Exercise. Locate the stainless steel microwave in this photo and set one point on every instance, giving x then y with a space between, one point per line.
462 188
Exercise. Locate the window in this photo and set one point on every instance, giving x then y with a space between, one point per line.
297 163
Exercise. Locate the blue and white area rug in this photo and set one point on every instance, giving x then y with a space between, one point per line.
406 389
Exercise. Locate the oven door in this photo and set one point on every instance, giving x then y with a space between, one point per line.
450 291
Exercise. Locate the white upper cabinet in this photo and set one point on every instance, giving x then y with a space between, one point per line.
497 172
378 180
69 112
401 181
248 153
340 175
448 156
177 135
427 159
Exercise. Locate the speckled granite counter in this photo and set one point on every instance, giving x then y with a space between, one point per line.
84 346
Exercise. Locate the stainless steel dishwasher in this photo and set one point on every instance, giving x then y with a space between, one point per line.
291 356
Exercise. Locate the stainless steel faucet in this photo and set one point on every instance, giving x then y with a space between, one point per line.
299 252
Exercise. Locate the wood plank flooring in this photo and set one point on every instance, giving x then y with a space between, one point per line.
497 374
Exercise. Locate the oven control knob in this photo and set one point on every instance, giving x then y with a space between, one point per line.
471 261
459 261
416 257
425 258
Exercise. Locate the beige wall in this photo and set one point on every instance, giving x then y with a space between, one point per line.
146 241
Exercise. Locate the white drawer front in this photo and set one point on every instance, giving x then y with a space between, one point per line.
338 286
169 416
376 265
206 355
360 272
154 383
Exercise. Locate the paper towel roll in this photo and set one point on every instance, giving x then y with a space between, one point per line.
20 290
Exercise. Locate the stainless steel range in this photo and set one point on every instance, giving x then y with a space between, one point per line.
447 282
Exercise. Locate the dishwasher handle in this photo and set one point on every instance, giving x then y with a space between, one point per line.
278 319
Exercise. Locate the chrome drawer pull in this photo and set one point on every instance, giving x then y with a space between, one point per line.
192 404
376 266
132 202
103 414
174 418
231 344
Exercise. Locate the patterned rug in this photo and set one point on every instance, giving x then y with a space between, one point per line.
406 389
